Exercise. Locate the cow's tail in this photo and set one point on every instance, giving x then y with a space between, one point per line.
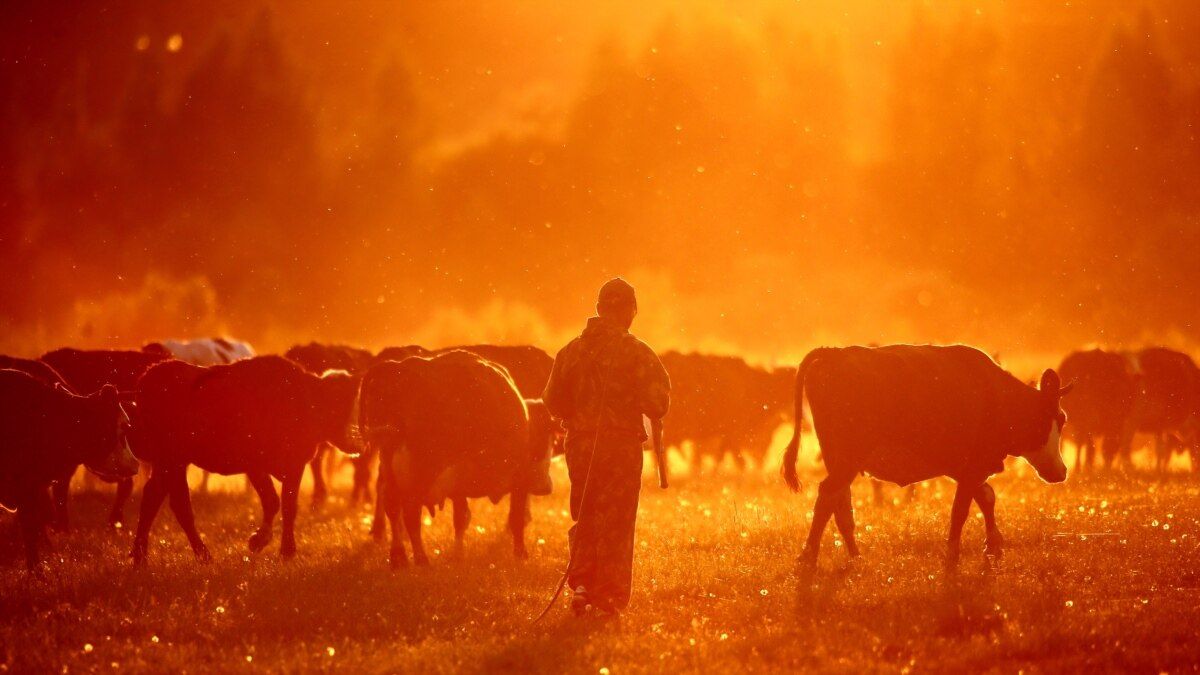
792 453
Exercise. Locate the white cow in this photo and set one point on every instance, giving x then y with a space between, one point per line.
204 351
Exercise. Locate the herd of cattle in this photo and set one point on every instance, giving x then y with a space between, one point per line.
466 422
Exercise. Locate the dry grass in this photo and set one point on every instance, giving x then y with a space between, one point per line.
1100 573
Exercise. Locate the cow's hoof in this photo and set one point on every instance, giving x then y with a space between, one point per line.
952 558
287 552
807 559
421 560
258 541
993 546
138 553
378 535
202 554
520 553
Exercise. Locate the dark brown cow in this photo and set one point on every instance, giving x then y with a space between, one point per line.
262 417
1167 398
48 432
907 413
85 372
1100 405
451 426
528 366
318 359
725 406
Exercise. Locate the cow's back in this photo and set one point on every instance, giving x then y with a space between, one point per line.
317 358
88 370
528 366
33 368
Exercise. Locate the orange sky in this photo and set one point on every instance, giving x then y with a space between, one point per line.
771 175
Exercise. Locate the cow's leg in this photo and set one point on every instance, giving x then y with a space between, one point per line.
291 497
379 522
739 458
153 493
59 490
124 489
843 515
827 494
462 518
412 522
398 556
262 484
31 516
518 509
362 479
181 506
963 495
320 492
985 497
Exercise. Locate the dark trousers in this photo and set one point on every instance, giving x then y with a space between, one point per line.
602 537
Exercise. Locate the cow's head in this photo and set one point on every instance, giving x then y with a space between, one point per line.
1046 452
340 405
106 451
545 440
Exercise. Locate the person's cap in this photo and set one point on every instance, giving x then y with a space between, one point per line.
616 293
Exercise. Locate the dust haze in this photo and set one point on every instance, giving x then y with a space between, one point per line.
770 175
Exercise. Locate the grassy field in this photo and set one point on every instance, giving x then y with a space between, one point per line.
1100 573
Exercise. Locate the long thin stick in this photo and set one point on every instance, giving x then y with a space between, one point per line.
660 453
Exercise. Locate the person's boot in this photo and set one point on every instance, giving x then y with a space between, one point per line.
579 602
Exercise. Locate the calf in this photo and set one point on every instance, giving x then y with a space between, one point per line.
47 432
262 417
908 413
202 352
452 426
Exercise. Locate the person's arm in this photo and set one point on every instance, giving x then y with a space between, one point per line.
557 396
655 385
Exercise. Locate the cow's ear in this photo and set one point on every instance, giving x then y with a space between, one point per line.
1067 389
108 392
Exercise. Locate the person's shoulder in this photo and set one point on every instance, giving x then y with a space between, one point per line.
569 348
639 347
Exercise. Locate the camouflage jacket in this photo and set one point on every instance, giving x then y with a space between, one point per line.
606 379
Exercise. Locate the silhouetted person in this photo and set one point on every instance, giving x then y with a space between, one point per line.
601 385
